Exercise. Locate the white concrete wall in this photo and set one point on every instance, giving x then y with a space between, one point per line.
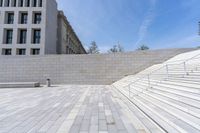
80 69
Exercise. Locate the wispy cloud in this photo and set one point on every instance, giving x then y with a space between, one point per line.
107 22
146 22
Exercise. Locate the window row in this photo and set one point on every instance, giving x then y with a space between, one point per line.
69 50
21 3
20 51
23 18
22 36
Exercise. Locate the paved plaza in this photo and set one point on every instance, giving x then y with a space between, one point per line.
63 109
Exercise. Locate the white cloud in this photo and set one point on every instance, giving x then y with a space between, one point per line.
147 22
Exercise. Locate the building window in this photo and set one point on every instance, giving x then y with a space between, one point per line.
13 3
40 3
27 3
21 52
36 36
1 3
67 49
37 18
10 18
35 51
34 3
6 51
9 36
67 37
21 3
23 18
7 3
22 36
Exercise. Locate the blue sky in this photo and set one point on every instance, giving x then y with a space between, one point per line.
156 23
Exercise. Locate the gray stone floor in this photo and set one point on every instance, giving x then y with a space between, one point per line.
63 109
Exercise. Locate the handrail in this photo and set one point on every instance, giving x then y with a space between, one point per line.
146 75
184 60
165 65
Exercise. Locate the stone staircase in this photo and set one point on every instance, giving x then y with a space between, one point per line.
168 93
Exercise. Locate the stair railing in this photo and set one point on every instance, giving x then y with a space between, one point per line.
165 67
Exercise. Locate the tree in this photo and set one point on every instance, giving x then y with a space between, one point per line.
116 49
93 49
143 47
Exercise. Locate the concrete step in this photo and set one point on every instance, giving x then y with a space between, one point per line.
190 70
186 117
139 118
193 77
195 111
170 94
175 100
177 104
181 66
179 71
184 79
142 95
173 97
180 90
181 120
157 117
184 86
174 90
183 73
162 115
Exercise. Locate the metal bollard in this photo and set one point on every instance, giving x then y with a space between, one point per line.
48 83
184 65
167 70
129 89
149 82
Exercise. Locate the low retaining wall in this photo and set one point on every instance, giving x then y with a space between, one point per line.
80 69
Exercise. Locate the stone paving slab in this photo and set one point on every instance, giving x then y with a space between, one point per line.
63 109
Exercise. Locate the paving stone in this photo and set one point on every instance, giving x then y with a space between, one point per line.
85 125
93 129
75 129
112 129
74 109
94 120
102 116
102 125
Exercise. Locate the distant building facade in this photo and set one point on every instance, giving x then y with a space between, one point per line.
31 27
68 42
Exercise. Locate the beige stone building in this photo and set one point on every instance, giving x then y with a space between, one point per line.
68 42
35 27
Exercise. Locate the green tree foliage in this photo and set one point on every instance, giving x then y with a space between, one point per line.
93 49
143 47
116 49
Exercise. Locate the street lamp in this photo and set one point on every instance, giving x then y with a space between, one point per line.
199 27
